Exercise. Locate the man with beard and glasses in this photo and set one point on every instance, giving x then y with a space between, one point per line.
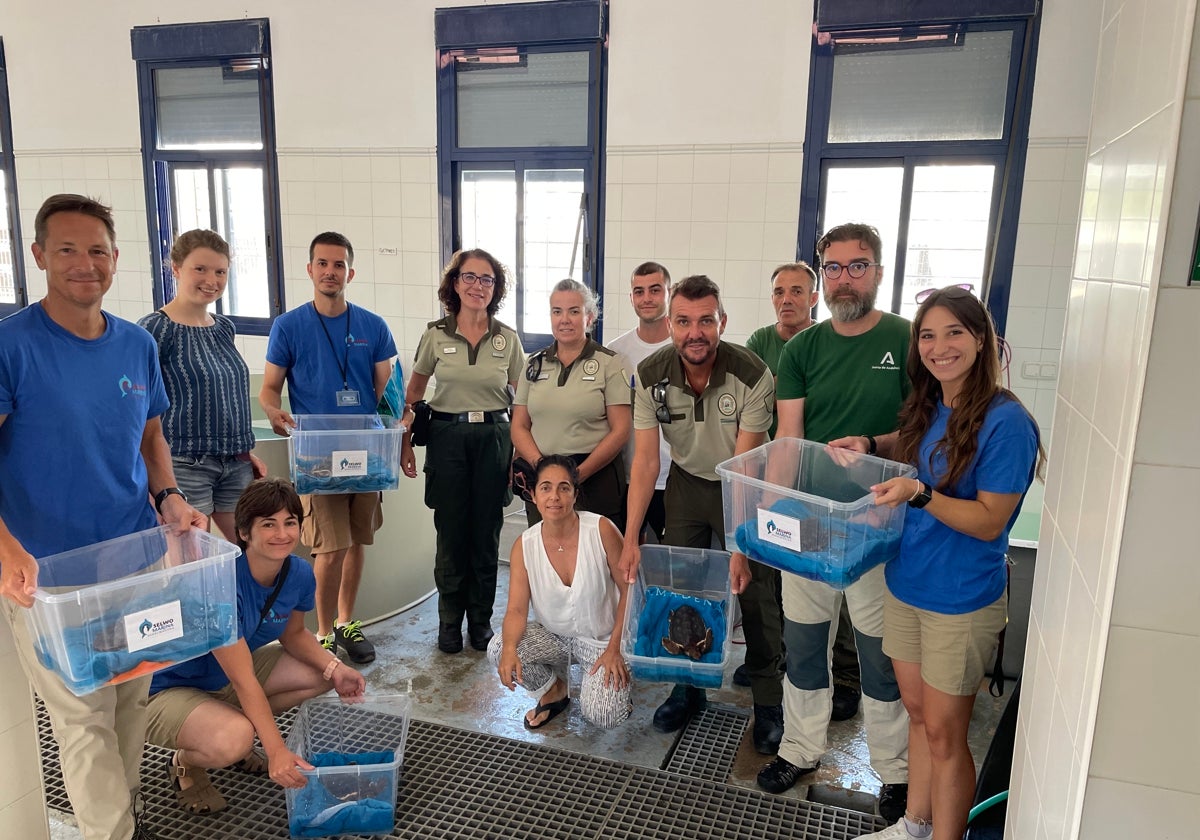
712 400
842 377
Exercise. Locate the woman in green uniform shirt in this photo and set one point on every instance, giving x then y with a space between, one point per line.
573 400
476 361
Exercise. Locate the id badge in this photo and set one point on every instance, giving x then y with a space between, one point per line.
347 398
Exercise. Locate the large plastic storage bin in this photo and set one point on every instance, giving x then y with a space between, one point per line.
694 573
803 508
345 453
127 607
359 795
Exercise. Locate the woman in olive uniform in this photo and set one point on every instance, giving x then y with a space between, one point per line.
476 361
574 400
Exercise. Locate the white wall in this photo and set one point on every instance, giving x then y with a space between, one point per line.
1107 742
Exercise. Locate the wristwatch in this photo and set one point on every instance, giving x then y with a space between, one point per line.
161 496
922 497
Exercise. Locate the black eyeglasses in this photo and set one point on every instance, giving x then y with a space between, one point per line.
658 393
923 295
857 269
469 277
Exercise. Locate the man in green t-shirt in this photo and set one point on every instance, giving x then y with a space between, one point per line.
844 376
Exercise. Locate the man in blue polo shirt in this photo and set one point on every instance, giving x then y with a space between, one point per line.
81 454
336 358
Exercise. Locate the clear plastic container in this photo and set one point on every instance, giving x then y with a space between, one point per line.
803 508
359 795
127 607
345 453
701 577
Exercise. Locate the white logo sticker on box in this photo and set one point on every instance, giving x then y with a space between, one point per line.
349 462
782 530
147 628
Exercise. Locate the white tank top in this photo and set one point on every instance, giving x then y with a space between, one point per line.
585 609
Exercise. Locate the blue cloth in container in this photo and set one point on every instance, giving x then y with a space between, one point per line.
98 648
317 812
866 546
314 475
653 623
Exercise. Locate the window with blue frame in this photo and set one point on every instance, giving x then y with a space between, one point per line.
208 152
521 93
12 275
920 127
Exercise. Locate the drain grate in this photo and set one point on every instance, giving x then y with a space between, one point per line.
709 744
462 785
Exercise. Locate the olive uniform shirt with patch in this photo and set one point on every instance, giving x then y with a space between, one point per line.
568 404
469 378
850 384
703 430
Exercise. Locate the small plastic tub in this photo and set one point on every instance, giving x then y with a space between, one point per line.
359 750
345 453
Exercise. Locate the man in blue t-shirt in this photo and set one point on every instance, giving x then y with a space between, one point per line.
81 454
336 359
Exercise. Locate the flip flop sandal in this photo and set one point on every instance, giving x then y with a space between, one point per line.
201 797
552 710
255 764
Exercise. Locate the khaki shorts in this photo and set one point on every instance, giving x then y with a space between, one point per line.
337 521
953 649
170 708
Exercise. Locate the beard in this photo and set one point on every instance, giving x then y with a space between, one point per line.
853 307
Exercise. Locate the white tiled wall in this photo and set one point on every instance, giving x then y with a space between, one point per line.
730 212
1108 731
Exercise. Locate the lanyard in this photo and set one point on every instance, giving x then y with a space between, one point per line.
343 366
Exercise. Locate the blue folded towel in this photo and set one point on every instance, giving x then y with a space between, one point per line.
653 623
313 475
319 812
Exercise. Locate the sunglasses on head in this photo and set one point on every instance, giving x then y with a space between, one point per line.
923 295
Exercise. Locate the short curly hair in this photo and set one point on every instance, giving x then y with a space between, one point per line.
449 297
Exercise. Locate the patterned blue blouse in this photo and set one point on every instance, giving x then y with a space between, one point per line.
208 384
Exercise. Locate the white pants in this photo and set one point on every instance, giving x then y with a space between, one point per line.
810 612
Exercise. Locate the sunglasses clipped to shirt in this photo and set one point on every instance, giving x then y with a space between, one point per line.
658 393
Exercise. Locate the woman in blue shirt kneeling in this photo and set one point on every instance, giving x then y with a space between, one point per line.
208 710
976 450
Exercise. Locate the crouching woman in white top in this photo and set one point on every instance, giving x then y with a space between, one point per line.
566 565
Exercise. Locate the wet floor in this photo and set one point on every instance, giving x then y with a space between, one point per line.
463 690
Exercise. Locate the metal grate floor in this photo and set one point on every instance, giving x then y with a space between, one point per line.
709 744
460 784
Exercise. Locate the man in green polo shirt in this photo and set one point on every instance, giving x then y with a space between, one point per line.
712 400
844 376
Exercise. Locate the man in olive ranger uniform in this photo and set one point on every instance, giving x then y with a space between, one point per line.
712 400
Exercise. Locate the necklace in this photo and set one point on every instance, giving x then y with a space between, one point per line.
562 543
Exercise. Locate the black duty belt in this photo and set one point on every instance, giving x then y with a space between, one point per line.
472 416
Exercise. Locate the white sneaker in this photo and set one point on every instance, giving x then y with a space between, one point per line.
899 831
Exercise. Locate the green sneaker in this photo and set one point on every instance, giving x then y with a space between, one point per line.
350 638
329 642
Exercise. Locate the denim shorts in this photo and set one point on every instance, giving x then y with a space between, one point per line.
212 482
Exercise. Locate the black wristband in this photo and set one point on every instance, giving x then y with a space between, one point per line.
871 446
161 496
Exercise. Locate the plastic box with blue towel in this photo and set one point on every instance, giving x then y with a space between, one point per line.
345 453
670 577
127 607
358 750
806 508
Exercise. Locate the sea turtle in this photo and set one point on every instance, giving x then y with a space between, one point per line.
687 633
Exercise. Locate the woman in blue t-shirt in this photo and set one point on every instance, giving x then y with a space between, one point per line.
207 382
975 448
208 710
